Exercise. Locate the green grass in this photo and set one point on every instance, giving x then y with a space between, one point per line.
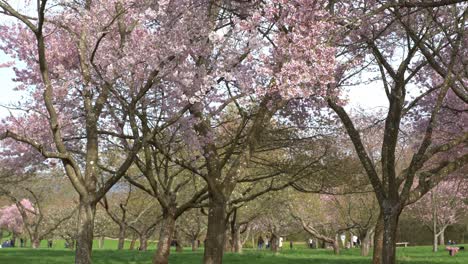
410 255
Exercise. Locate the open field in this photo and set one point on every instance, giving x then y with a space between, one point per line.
410 255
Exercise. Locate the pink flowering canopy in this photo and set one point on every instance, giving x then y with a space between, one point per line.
271 47
10 216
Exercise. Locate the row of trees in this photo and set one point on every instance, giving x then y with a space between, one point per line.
129 214
214 103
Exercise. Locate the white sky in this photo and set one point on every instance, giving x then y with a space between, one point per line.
7 94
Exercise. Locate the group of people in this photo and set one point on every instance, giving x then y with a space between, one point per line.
266 242
8 243
11 243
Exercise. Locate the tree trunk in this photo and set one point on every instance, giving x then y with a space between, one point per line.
378 241
216 232
179 246
165 238
336 246
366 242
73 244
227 242
442 238
236 240
132 243
434 223
179 241
194 245
13 237
274 243
122 230
391 217
35 243
84 243
143 242
101 242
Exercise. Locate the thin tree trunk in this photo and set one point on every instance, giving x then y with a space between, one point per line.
84 243
194 245
101 242
237 241
165 238
378 241
336 246
434 223
214 246
442 237
143 242
132 243
366 242
122 230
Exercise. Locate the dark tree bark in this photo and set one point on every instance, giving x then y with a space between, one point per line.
378 241
391 216
215 236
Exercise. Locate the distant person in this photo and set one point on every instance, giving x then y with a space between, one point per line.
355 239
12 243
343 239
290 244
449 242
311 243
260 242
280 243
267 243
21 242
49 243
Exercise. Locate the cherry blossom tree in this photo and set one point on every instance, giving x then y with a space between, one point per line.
389 30
441 207
11 218
72 83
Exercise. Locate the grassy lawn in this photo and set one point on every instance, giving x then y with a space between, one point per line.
410 255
